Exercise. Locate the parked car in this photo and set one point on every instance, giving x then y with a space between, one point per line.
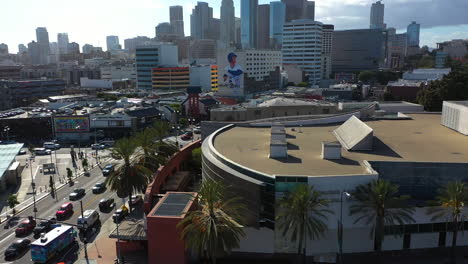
64 211
99 187
17 248
98 146
51 145
42 151
108 169
25 227
77 194
106 204
43 227
22 152
197 130
136 199
119 215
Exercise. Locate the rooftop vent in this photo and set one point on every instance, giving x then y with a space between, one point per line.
355 135
331 150
278 144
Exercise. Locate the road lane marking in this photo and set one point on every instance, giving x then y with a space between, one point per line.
7 237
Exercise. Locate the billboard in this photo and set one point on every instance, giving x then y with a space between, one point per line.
231 81
71 124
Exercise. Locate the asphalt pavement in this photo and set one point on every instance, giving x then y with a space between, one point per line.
47 207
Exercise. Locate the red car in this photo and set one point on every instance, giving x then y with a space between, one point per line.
188 135
25 227
64 211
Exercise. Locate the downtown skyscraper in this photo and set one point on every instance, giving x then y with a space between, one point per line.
200 21
412 33
176 19
112 43
62 42
263 26
43 45
277 20
249 23
377 16
227 22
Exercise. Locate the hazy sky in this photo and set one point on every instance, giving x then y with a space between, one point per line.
90 21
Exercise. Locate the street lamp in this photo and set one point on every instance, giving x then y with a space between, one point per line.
191 122
6 129
340 226
79 139
177 134
33 185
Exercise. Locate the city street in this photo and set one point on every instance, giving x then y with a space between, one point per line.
48 206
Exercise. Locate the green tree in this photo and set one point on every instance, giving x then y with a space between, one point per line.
426 61
130 175
69 175
12 201
450 204
183 122
302 216
214 229
366 76
452 87
52 186
303 84
378 204
161 130
85 164
196 157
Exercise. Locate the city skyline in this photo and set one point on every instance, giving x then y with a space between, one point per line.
449 23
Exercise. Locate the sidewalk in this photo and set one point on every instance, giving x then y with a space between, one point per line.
103 249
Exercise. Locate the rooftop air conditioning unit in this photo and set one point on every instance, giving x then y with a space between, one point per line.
331 150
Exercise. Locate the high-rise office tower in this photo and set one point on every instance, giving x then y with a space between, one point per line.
3 49
214 31
249 23
412 33
152 56
277 19
74 48
309 10
162 30
112 43
42 37
176 18
327 45
295 9
62 42
237 31
34 51
302 46
377 16
54 48
87 48
227 22
22 48
200 20
263 27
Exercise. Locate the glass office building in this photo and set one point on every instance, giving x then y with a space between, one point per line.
249 23
277 19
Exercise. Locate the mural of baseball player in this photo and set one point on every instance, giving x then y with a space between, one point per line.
233 77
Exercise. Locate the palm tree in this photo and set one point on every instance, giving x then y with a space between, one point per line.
214 228
131 175
450 204
144 140
302 215
378 204
12 201
161 130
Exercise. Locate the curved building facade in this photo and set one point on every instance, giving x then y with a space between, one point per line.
262 164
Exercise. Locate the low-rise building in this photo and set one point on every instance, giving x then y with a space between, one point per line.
405 90
205 76
276 107
22 93
10 72
426 74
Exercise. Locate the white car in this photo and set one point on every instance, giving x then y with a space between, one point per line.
98 146
89 218
42 151
51 145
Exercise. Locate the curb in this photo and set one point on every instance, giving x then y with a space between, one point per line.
38 199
